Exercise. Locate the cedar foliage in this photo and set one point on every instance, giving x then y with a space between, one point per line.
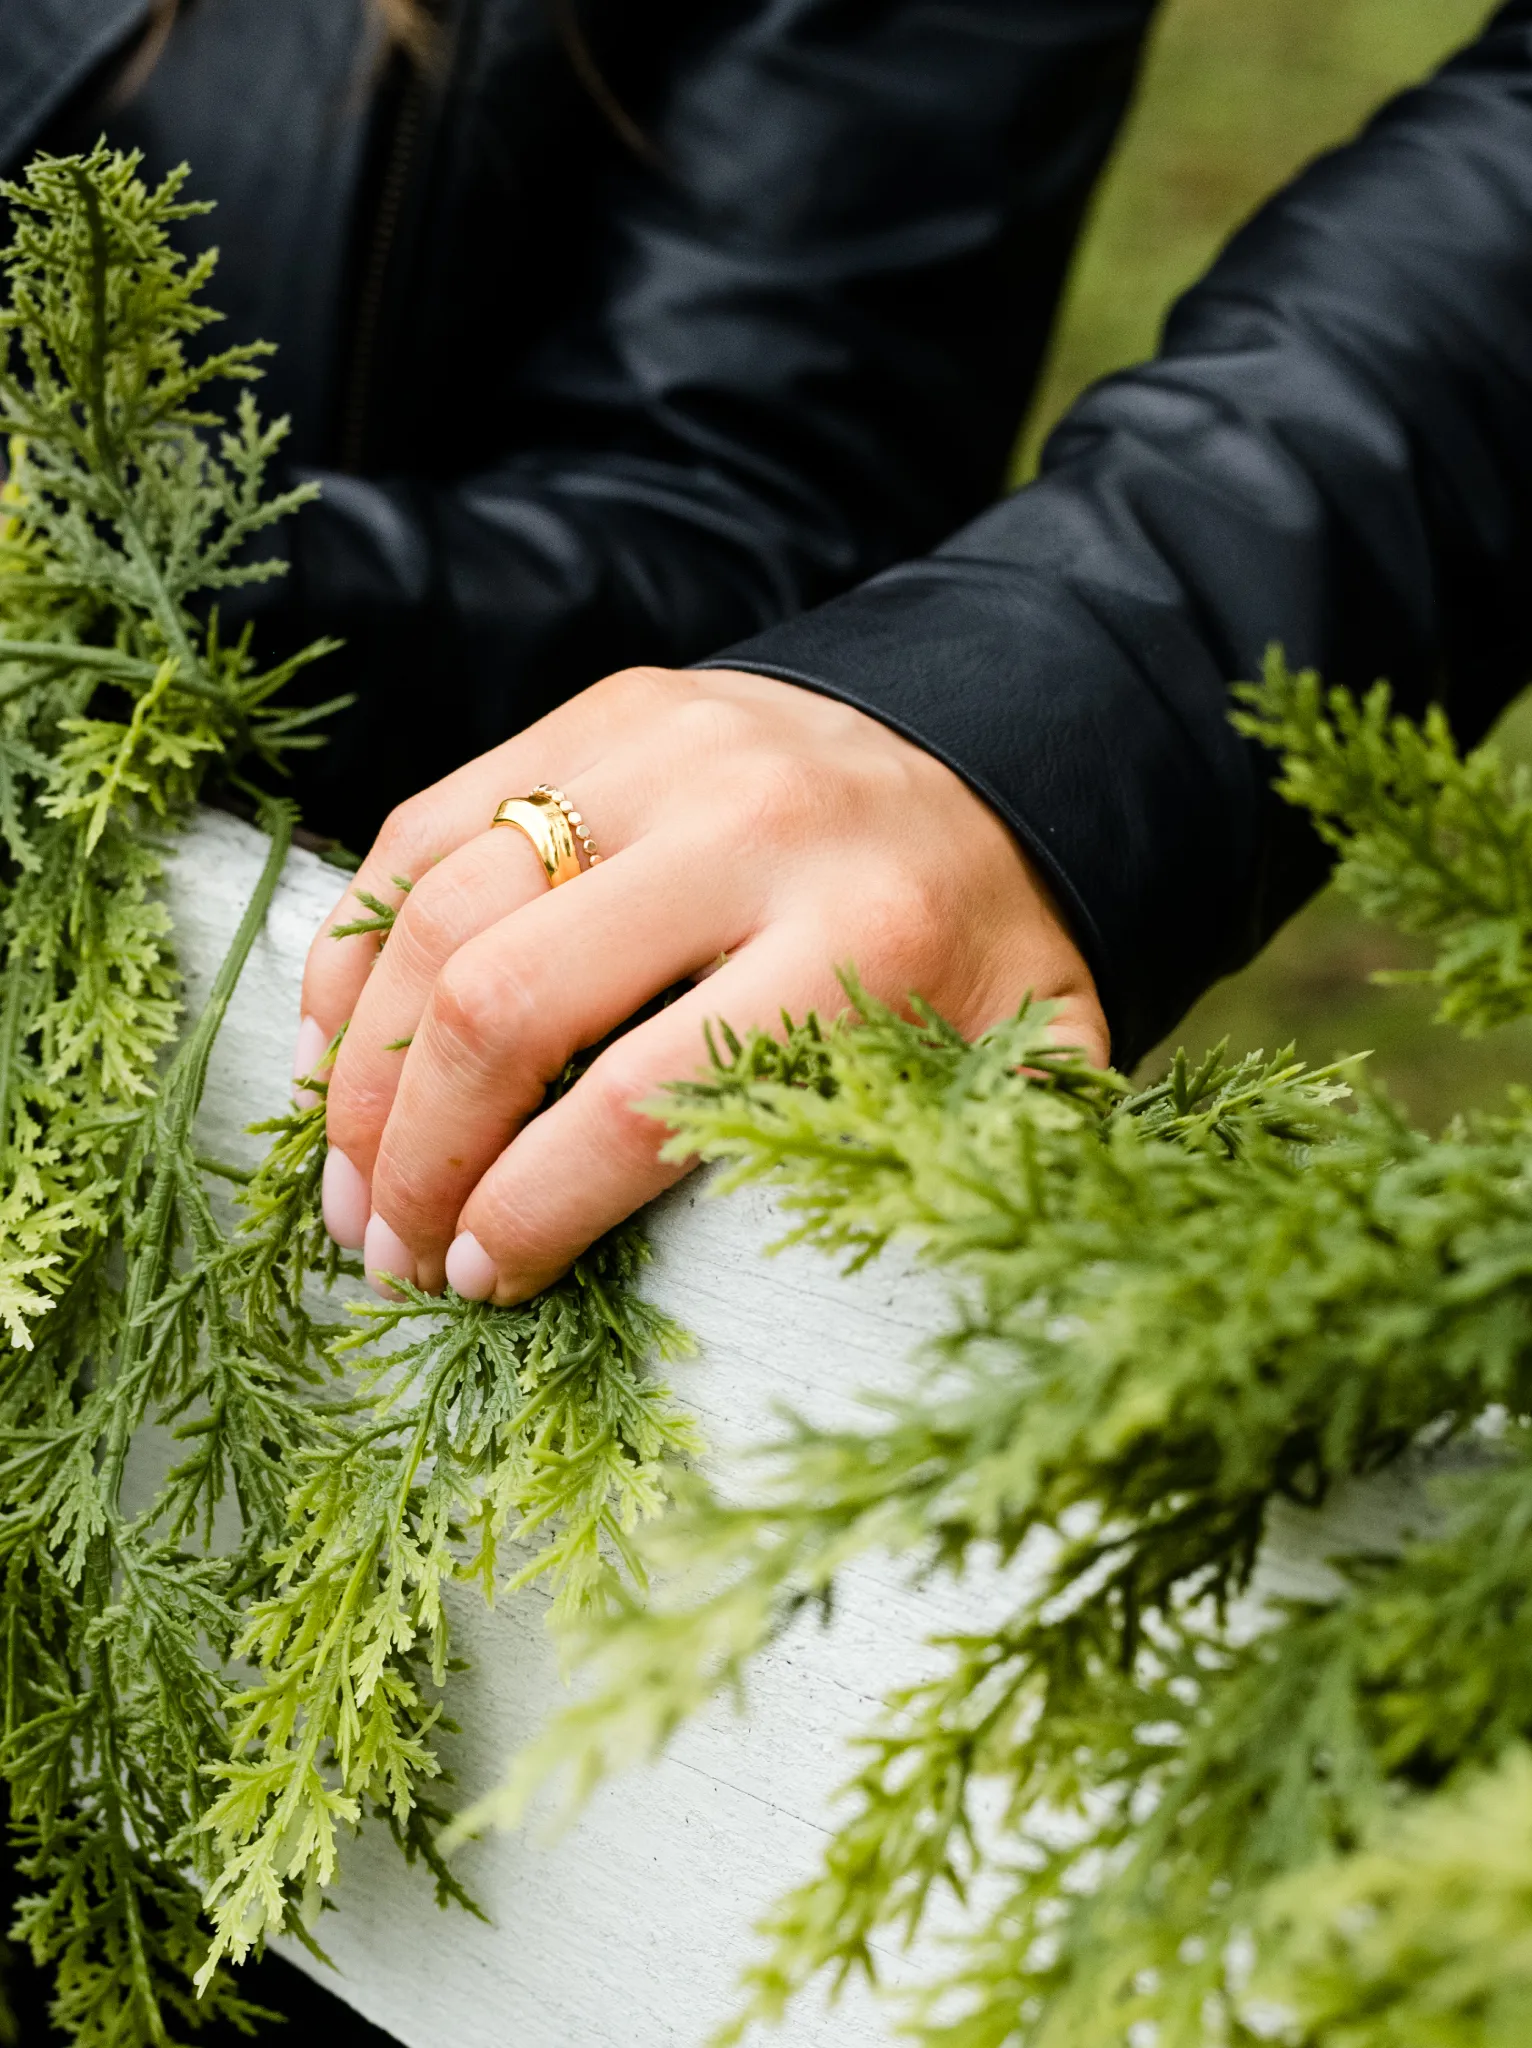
1222 1820
1173 1309
325 1477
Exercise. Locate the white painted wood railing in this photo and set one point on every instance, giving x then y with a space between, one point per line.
629 1931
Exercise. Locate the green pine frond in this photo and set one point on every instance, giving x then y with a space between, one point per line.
326 1482
1430 841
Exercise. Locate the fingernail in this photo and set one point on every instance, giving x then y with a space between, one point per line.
385 1251
307 1053
471 1272
347 1202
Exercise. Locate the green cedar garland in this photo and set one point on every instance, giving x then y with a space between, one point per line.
114 702
1178 1307
151 1784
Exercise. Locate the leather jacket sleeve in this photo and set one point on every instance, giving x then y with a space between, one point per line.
813 324
1333 450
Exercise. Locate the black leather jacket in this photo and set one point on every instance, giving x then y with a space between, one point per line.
613 367
598 383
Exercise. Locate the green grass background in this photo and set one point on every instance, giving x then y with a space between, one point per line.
1235 96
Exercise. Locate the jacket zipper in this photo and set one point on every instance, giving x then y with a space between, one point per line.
403 145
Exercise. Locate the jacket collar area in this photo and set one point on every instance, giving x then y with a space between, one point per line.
48 49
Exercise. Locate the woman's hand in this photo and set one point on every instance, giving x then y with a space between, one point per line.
753 833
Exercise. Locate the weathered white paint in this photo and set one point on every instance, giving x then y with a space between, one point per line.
629 1931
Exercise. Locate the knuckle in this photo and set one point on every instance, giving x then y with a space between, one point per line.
643 688
618 1086
780 798
489 1015
356 1109
430 921
906 934
401 836
474 1008
702 724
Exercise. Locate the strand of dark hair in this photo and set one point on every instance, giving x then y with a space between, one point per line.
407 24
411 27
577 49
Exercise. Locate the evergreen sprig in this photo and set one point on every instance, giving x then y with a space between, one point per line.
116 695
326 1479
1419 1940
536 1422
1431 841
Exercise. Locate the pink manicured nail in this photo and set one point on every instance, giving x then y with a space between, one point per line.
307 1053
347 1202
470 1269
385 1251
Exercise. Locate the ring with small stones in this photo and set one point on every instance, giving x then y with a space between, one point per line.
577 823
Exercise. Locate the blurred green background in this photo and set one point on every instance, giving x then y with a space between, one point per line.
1236 95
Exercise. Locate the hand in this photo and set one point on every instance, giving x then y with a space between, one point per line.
753 833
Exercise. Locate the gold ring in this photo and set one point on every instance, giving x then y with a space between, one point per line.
555 828
577 824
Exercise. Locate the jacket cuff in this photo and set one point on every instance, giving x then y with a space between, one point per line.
1115 773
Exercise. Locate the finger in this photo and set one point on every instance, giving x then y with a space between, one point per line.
1078 1025
422 832
349 941
592 1158
483 882
494 875
512 1006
